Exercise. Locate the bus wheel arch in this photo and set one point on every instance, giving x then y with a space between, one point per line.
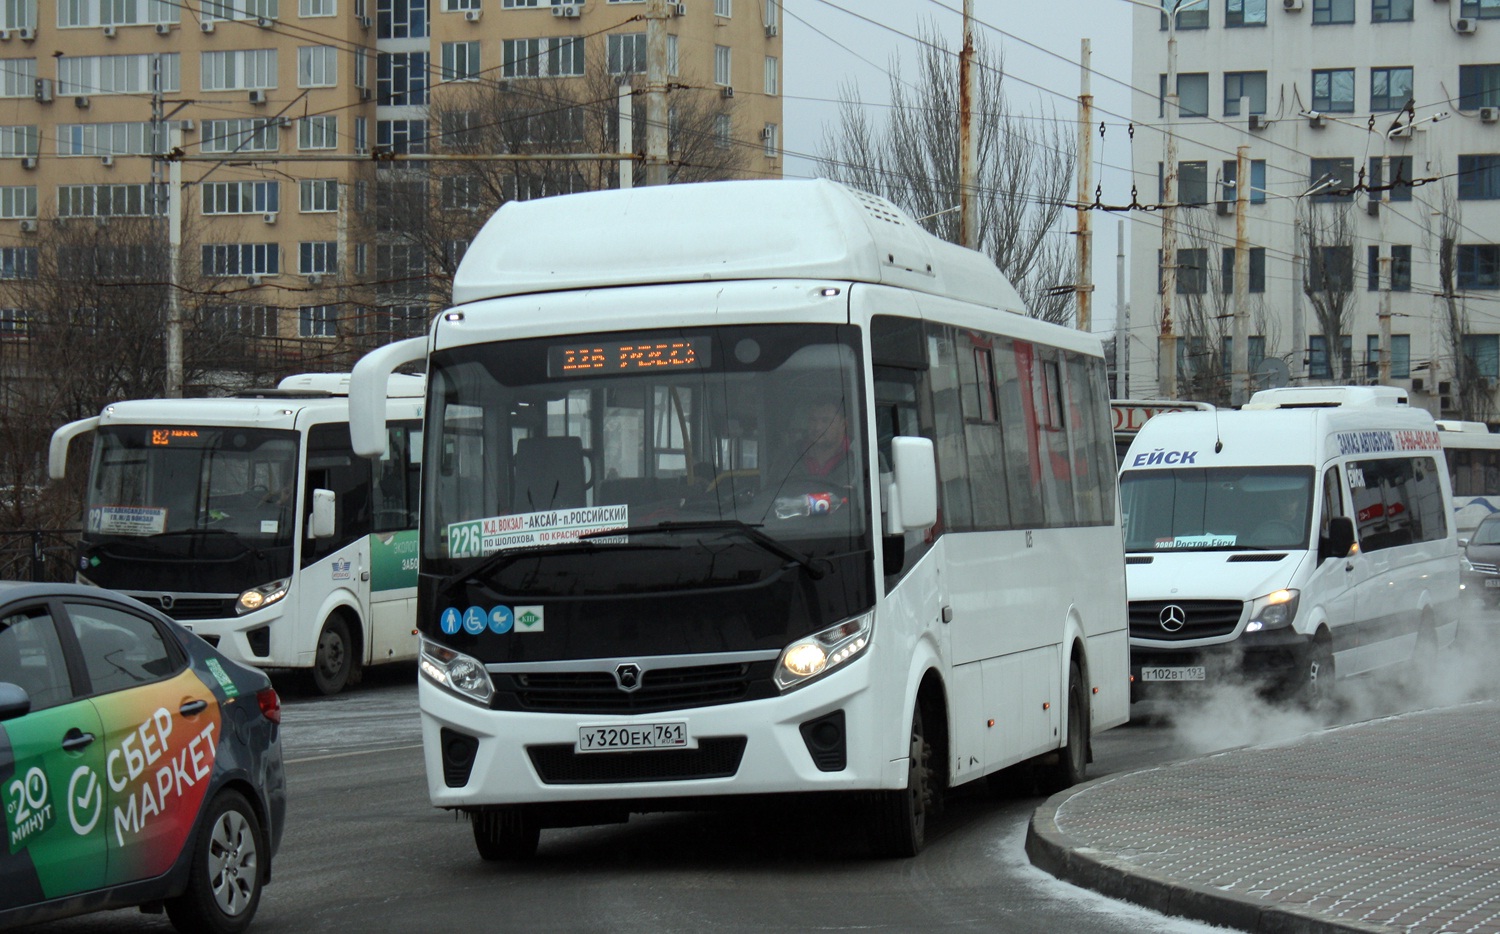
1069 765
340 646
899 818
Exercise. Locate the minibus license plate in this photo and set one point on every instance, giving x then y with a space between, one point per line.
627 737
1492 582
1190 673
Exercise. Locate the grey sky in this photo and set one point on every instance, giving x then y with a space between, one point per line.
828 44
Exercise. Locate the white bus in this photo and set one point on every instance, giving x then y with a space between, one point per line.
251 521
751 488
1473 454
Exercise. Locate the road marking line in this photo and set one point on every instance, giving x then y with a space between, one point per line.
345 755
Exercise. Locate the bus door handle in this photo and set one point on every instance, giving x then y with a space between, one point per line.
947 614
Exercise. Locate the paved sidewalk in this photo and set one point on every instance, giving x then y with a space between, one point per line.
1389 825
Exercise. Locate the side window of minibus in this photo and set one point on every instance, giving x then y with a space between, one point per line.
1332 505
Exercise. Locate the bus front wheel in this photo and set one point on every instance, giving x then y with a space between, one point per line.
900 819
333 666
506 833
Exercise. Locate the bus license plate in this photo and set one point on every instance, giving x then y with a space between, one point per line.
628 737
1189 673
1492 582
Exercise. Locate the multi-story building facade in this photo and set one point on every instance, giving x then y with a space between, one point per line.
294 234
1373 135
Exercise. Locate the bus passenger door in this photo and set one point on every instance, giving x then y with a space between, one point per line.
1331 585
393 546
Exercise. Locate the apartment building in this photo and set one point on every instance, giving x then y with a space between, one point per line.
295 233
1373 135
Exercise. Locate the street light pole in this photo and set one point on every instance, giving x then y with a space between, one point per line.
1166 364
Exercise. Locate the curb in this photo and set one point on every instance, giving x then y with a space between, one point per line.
1054 852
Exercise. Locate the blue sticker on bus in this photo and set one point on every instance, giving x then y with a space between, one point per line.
475 619
451 621
501 619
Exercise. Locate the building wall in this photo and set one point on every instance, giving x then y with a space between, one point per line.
33 190
1289 46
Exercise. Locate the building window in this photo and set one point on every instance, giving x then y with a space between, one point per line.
1480 9
402 136
462 193
1331 269
1189 16
1332 12
318 133
1483 350
1333 179
401 78
317 66
361 67
241 259
770 140
723 7
722 71
1401 267
1479 177
241 197
89 75
1238 84
1390 88
1257 346
111 200
1192 95
773 76
1192 271
458 6
1478 86
1244 13
772 9
461 61
18 141
17 77
18 262
555 57
117 13
310 8
723 131
108 139
240 9
1400 356
317 257
1318 364
1192 183
361 142
674 61
401 267
1333 91
243 135
1394 171
318 321
319 195
461 129
18 14
238 70
1230 171
1478 266
14 321
1257 258
17 201
1391 11
626 54
401 19
241 320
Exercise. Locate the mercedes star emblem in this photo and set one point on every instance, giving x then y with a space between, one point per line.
1172 617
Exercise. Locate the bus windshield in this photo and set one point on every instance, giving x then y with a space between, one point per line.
678 440
170 487
1223 508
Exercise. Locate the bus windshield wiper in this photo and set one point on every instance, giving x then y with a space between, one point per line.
813 566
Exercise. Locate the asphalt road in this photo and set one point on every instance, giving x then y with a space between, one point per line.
365 852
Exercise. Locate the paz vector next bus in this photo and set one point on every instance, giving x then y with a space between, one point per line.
745 489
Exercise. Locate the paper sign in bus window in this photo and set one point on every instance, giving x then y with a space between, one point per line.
479 537
128 520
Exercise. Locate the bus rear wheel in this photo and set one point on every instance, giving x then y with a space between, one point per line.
1073 758
333 665
899 827
507 833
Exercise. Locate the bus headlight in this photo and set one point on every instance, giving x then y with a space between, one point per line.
1273 611
812 655
264 595
456 671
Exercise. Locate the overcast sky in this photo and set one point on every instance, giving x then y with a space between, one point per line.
828 44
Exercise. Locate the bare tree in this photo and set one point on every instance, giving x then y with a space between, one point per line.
1025 169
1472 393
1328 238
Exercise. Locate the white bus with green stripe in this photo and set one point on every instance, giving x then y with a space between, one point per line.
250 520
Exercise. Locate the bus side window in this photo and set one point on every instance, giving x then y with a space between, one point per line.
333 465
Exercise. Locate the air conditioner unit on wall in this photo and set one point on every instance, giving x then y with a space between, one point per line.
314 279
473 15
28 225
26 35
1223 207
206 25
1373 207
81 102
257 97
28 162
270 217
771 30
1466 27
163 29
252 280
1489 114
43 92
1291 6
1257 121
726 92
109 32
107 161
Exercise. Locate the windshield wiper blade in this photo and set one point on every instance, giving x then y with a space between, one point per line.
814 567
501 559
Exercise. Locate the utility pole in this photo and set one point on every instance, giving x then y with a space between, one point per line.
1385 321
1239 380
968 141
656 92
1299 327
172 383
627 135
1085 287
1122 318
1166 363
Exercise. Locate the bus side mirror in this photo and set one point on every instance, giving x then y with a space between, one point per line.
912 499
320 523
1340 539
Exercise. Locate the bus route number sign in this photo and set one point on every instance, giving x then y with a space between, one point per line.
616 356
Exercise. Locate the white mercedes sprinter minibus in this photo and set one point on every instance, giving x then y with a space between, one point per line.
1305 537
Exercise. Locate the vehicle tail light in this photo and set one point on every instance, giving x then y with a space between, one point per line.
270 704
